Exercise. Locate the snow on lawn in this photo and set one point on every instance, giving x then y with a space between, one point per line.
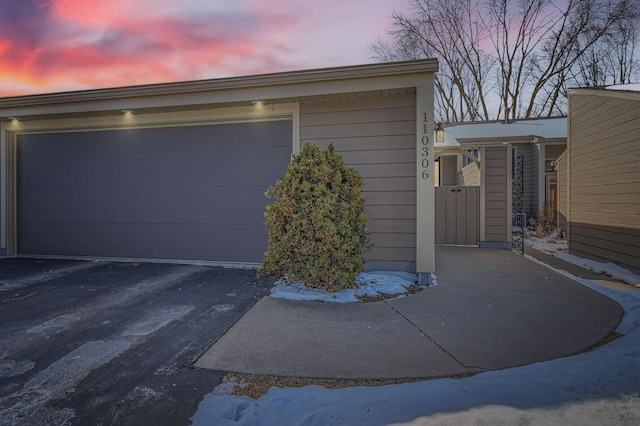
370 284
594 388
551 244
614 271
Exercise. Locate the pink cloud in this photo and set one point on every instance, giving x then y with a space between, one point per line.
75 44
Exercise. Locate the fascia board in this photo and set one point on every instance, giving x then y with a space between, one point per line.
552 141
626 95
235 89
495 141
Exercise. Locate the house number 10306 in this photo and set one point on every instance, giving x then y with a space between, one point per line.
424 154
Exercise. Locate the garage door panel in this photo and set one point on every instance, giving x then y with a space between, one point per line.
239 206
209 242
158 169
150 194
167 139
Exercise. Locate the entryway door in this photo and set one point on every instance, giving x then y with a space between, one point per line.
457 215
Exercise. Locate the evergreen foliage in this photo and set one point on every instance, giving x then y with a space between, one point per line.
317 224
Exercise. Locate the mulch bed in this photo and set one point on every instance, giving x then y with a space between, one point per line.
255 386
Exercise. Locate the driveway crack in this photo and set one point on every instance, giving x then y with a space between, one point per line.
424 333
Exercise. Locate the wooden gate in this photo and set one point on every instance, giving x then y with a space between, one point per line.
457 215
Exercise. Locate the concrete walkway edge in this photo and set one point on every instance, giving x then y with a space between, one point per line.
491 309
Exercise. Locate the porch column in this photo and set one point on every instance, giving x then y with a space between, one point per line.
425 198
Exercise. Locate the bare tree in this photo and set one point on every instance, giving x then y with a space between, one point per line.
447 30
515 55
612 60
516 29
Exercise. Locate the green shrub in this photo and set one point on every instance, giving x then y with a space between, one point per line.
317 223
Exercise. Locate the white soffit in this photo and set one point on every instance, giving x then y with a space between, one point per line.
548 128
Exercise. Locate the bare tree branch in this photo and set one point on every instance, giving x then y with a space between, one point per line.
516 55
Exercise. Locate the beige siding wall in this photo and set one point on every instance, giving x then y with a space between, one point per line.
563 207
604 153
377 137
468 176
448 164
552 152
495 193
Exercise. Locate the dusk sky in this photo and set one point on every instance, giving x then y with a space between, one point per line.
59 45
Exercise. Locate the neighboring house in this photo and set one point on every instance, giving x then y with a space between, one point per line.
179 170
602 207
476 160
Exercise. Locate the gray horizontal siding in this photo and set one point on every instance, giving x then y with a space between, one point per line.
495 190
604 179
606 243
391 226
376 136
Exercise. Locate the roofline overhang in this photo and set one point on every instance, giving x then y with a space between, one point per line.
301 83
618 94
501 140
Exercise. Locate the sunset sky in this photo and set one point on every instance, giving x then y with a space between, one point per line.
59 45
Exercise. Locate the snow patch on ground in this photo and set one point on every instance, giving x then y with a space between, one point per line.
45 276
156 320
142 393
370 284
11 368
29 405
227 386
220 309
552 243
55 325
611 269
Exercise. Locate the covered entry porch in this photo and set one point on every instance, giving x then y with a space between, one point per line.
473 196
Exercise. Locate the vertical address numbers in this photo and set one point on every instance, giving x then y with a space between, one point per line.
424 154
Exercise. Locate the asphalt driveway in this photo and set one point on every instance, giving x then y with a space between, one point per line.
107 343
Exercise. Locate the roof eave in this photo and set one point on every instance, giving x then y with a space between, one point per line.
380 70
617 94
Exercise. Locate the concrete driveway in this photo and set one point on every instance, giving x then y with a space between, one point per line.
112 343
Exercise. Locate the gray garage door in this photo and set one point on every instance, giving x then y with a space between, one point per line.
192 192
